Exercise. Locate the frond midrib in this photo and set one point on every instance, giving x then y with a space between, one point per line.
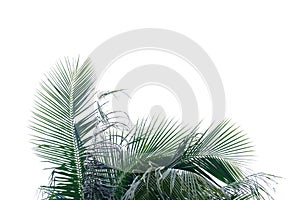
72 126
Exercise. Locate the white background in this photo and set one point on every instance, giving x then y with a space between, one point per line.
255 46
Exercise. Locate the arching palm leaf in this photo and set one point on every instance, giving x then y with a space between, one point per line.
62 123
164 160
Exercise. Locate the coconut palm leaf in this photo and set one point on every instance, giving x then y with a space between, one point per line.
62 120
221 153
165 160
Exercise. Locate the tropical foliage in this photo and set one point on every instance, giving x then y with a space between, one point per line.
63 126
93 156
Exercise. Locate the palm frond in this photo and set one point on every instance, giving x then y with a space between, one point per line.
157 158
101 173
219 153
162 183
255 186
63 117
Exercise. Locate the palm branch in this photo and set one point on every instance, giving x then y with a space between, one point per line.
63 117
165 160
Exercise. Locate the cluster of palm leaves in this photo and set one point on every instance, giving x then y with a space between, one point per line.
93 156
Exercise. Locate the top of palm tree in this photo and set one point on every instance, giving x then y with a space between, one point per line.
92 156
